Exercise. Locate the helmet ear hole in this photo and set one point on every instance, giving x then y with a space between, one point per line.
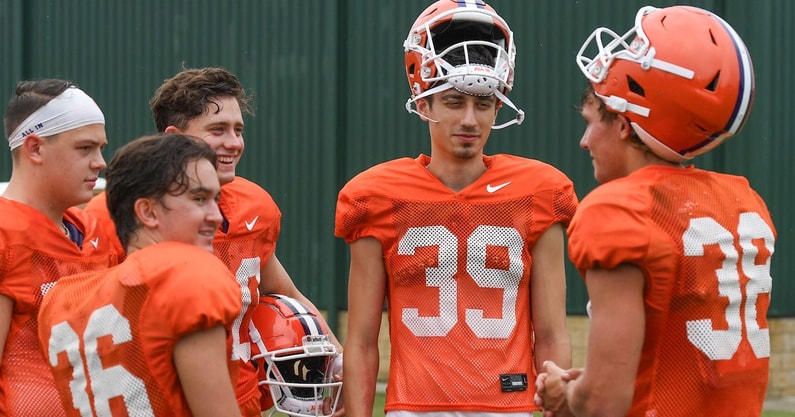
635 87
713 85
688 90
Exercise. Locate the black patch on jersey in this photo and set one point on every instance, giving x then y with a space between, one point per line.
513 382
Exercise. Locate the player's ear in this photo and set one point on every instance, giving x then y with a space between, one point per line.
423 107
624 127
172 129
31 148
145 212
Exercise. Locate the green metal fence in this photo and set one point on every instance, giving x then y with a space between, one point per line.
330 89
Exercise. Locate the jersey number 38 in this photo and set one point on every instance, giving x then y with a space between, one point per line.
723 344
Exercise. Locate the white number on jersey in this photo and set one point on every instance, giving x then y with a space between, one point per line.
106 383
723 344
443 277
249 267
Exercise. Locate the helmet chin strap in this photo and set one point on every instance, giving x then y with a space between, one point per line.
446 86
519 112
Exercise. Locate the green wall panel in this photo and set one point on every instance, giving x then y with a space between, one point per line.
330 92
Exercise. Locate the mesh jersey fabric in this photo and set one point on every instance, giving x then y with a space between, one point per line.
34 254
110 335
703 241
254 224
98 208
458 271
250 241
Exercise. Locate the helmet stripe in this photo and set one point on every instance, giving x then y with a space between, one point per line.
311 325
479 4
293 304
306 317
745 93
746 89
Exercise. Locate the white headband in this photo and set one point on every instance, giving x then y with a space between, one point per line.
70 110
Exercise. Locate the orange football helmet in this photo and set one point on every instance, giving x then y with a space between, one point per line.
295 358
449 25
682 76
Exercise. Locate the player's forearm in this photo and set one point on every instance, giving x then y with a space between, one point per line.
553 347
587 398
360 375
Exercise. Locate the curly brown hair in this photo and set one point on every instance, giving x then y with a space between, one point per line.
192 92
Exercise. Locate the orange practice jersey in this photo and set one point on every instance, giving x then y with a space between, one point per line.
458 267
34 254
253 227
250 240
98 208
110 335
703 241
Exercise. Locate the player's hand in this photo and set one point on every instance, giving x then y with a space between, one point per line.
336 371
551 385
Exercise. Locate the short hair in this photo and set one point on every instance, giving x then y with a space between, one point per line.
605 115
588 96
29 96
149 167
190 93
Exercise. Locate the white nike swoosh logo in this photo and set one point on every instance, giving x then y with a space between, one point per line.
94 241
250 226
491 189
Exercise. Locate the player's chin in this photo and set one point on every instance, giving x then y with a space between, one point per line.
226 174
205 242
84 193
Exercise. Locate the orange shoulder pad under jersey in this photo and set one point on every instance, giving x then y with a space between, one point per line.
703 241
129 319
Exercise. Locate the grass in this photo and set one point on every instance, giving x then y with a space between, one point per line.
378 409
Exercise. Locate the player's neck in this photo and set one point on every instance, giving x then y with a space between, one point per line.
459 173
29 196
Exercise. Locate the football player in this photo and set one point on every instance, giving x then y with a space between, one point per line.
142 338
466 249
208 103
676 259
56 133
